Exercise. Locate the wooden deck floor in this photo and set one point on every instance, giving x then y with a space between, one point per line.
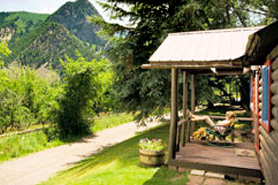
224 160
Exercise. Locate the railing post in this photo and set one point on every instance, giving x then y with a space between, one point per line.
174 115
193 97
184 107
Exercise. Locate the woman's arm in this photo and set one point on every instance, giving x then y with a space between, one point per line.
224 123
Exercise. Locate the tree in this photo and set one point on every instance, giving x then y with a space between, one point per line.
83 86
265 11
4 51
148 90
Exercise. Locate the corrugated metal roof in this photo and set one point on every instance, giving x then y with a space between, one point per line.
213 45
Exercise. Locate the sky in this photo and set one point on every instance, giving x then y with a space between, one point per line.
43 6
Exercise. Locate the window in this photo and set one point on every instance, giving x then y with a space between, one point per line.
266 106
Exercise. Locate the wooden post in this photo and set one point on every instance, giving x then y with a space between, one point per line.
184 107
193 97
174 115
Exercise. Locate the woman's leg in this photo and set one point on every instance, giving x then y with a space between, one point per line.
207 119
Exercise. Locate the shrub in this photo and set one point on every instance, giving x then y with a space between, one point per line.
82 89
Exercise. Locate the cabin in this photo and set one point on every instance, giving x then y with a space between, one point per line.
262 56
216 52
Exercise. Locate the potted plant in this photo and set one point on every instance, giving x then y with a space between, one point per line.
151 152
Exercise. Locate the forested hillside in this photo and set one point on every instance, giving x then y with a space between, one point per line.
52 43
35 39
74 16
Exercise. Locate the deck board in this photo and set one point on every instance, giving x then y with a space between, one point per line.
201 155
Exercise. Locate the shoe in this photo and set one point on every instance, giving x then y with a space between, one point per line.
188 114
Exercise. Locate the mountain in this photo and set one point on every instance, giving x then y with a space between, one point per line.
52 43
78 13
14 25
35 39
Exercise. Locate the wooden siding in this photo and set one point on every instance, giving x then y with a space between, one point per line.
269 140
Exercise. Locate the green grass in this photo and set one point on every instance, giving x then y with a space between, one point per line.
20 145
119 164
110 121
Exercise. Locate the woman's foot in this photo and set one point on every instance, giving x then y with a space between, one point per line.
188 114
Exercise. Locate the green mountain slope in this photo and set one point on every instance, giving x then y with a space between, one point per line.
15 25
53 42
74 16
35 39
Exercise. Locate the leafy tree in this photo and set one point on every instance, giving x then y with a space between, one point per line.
26 98
84 83
4 51
264 11
148 90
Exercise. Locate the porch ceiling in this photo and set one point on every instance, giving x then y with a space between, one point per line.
202 50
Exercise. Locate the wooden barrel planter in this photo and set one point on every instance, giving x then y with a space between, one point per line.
151 158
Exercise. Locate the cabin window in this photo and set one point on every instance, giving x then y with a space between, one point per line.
266 109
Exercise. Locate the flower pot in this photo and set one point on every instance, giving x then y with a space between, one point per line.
151 158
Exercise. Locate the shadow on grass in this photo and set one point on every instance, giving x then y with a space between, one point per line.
164 176
118 162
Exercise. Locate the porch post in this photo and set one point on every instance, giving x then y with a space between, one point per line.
184 107
174 115
193 97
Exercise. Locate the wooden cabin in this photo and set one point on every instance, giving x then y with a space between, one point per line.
214 52
262 56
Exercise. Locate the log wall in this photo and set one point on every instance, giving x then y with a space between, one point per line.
269 140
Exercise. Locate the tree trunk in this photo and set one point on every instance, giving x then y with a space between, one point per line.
245 94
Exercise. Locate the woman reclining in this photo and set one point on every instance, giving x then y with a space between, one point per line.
221 126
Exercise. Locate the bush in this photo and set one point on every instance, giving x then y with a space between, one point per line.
26 98
82 89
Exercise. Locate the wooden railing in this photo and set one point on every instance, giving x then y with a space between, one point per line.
182 133
183 130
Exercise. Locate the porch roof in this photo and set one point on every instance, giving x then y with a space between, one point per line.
261 43
199 50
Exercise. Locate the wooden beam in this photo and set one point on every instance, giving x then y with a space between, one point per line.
174 115
223 117
186 66
193 97
231 73
216 168
184 107
227 62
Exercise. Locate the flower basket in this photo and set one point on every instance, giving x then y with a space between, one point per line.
151 152
151 158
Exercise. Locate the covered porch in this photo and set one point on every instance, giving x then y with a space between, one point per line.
217 52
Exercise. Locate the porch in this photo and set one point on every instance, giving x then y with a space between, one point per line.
199 155
203 58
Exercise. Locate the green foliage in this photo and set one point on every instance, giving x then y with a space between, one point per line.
110 121
20 145
84 83
25 98
4 51
148 91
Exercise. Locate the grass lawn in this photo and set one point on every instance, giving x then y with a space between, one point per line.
20 145
110 121
119 164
